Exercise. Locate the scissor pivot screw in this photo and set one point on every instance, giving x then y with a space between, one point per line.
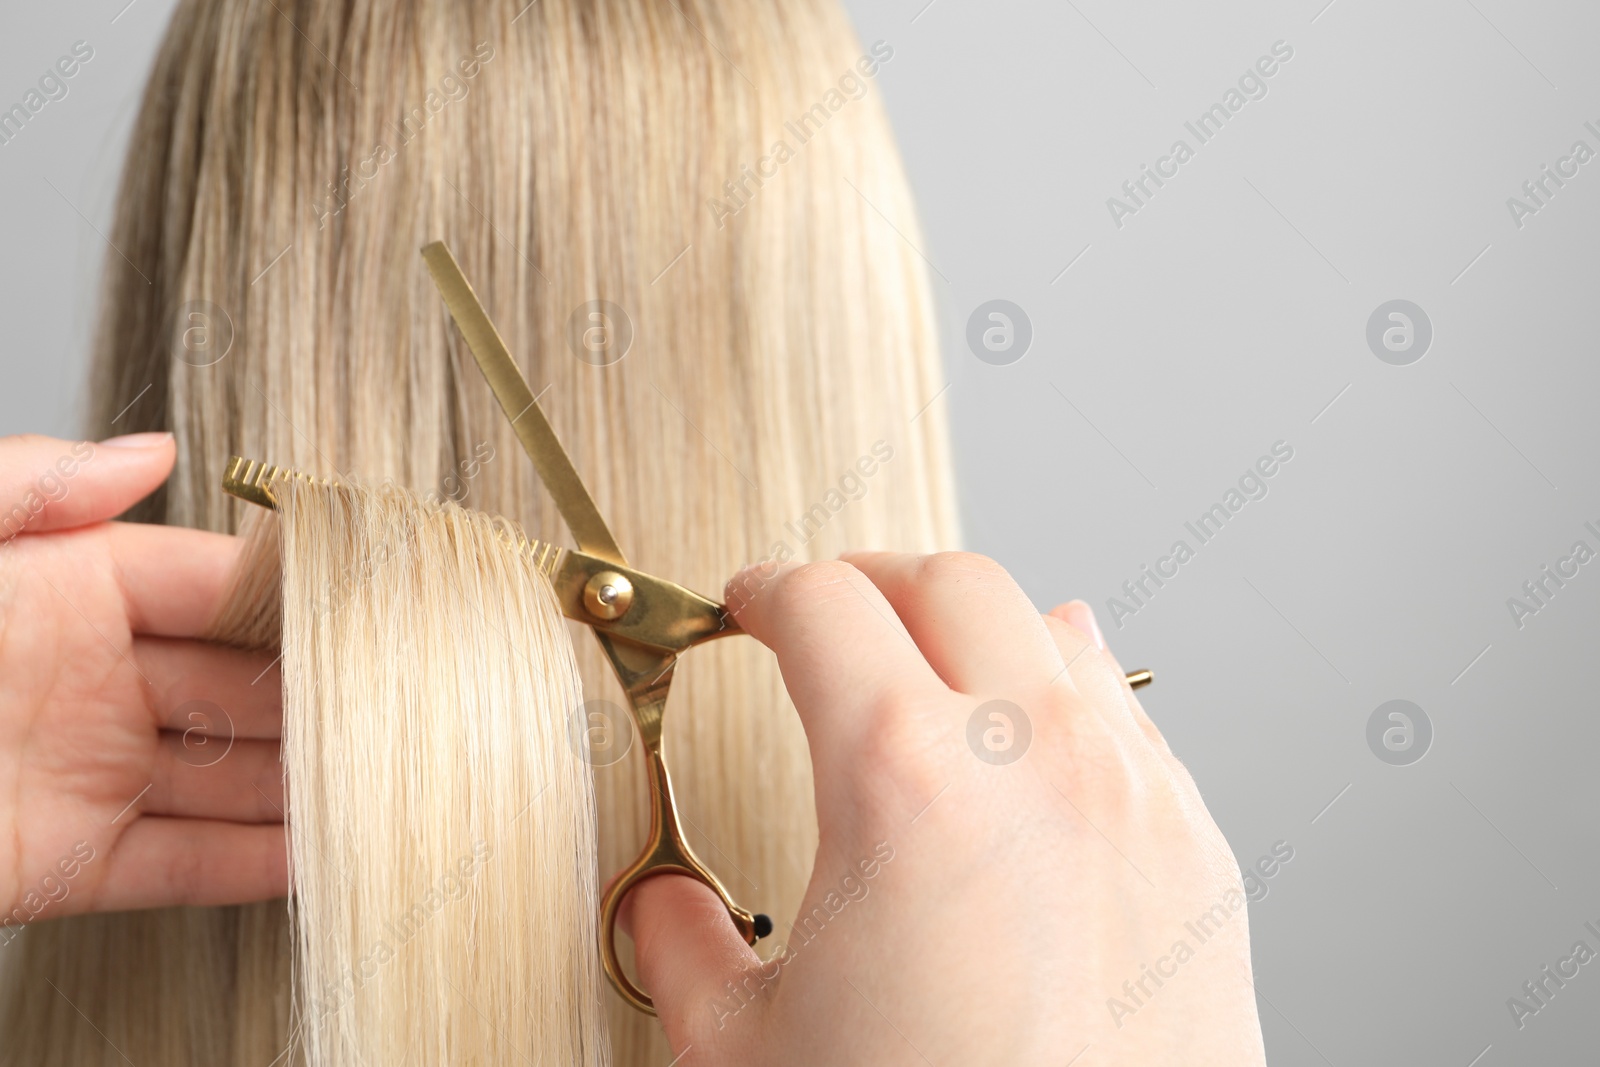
608 595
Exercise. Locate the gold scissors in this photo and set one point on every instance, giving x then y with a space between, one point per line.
643 623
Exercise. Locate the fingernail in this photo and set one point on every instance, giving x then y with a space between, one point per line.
1085 614
137 440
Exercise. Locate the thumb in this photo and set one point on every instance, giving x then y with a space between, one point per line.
49 484
686 950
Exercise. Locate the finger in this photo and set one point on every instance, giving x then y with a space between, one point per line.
1079 637
1140 715
686 948
212 777
50 484
974 624
1081 616
839 644
173 579
216 690
161 862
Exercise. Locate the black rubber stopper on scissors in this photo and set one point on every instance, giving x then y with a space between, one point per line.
763 925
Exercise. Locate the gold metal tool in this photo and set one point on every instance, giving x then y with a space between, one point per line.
643 623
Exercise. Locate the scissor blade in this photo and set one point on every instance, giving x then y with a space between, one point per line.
538 439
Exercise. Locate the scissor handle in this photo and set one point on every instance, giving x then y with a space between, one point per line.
666 852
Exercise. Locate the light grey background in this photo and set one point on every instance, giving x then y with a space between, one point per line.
1168 355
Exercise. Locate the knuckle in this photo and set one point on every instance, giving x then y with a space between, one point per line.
815 583
901 750
960 566
893 749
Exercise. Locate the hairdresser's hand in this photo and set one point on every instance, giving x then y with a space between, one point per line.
963 908
138 767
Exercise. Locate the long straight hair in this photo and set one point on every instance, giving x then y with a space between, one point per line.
688 219
441 825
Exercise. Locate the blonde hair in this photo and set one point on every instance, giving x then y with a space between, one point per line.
715 169
441 830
